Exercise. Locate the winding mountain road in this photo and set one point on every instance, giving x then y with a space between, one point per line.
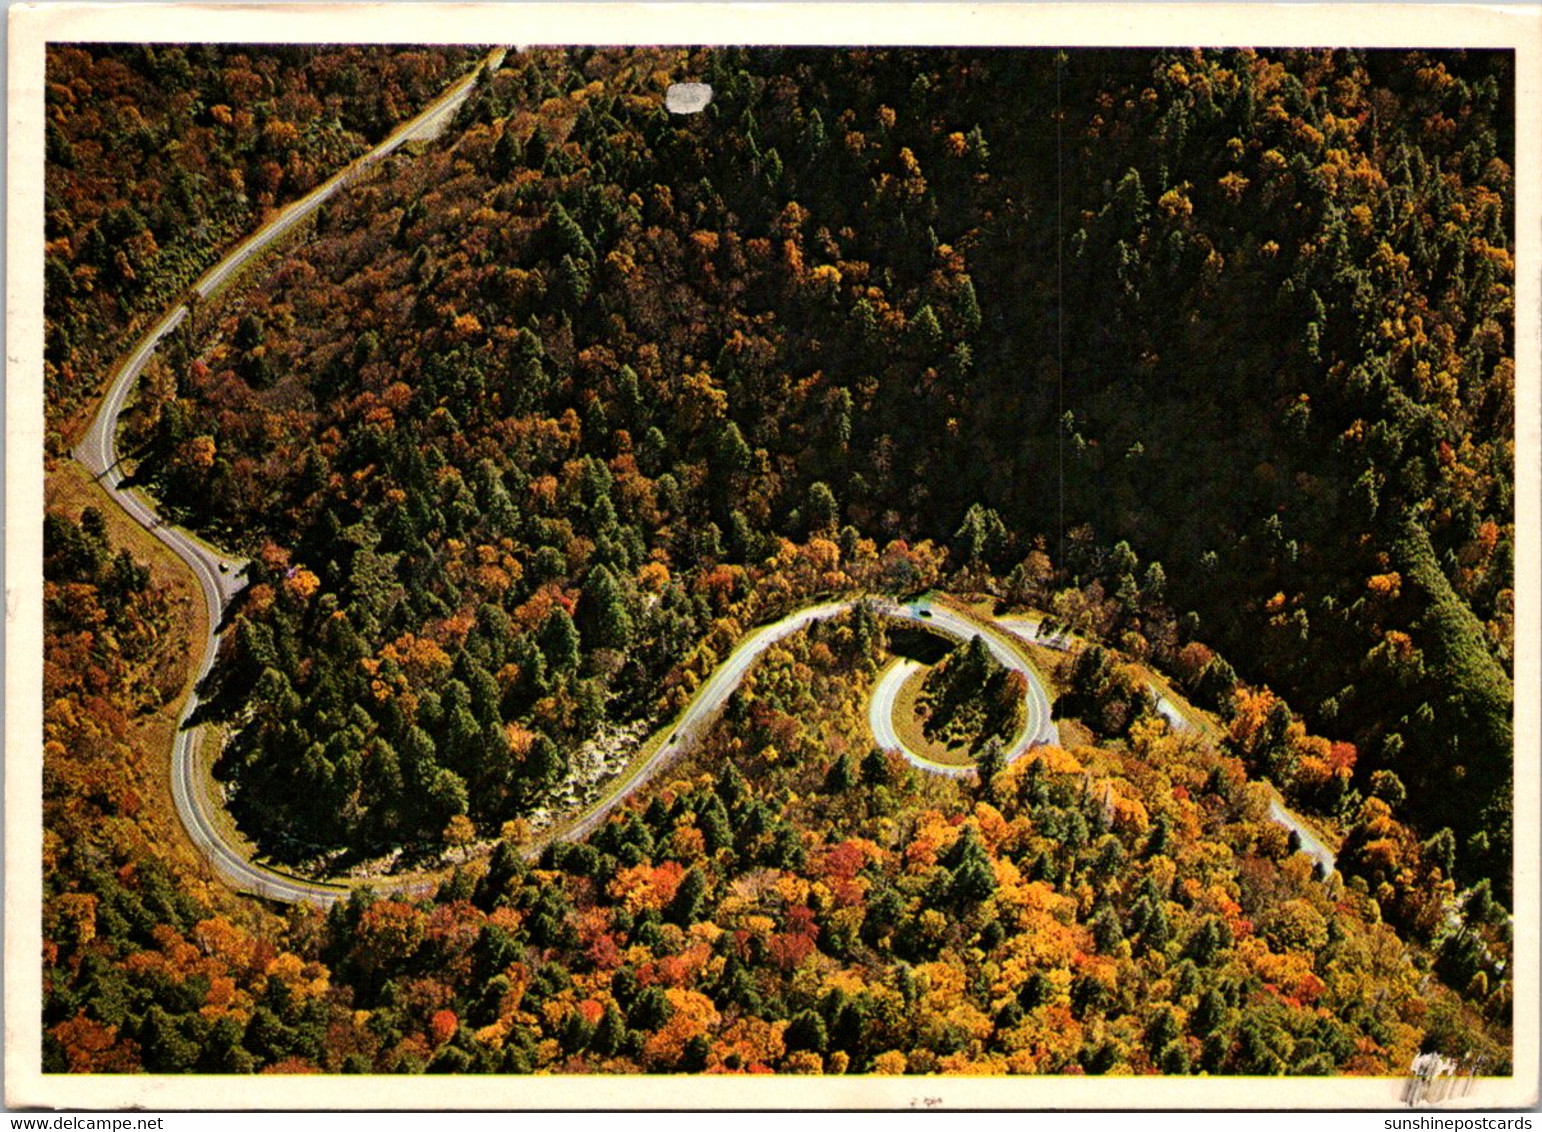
218 573
1038 727
709 699
218 577
426 125
700 709
1027 628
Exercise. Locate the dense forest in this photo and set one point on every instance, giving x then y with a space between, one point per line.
1205 355
792 900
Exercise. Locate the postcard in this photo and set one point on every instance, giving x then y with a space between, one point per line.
974 557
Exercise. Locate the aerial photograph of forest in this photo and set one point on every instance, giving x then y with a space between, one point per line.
761 560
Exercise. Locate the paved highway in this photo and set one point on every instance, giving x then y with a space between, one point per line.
701 708
1027 628
426 125
1311 845
880 718
1038 727
217 573
714 692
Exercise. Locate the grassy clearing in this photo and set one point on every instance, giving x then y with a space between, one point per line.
69 489
1191 715
911 729
210 744
1212 732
